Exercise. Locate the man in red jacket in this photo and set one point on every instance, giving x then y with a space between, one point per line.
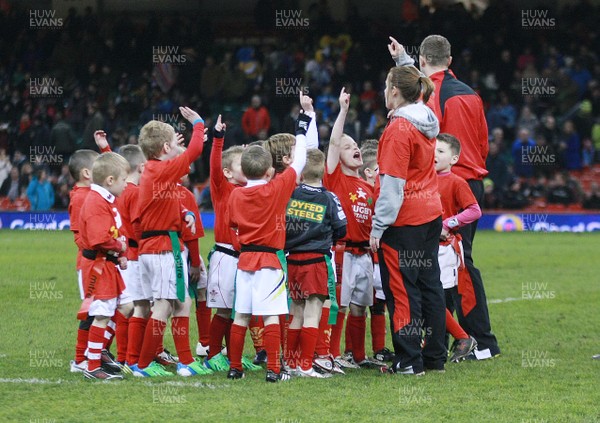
460 112
256 120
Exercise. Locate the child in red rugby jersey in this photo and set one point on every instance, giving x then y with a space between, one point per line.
134 302
103 248
369 172
161 262
225 176
133 313
353 261
80 168
281 147
459 208
257 211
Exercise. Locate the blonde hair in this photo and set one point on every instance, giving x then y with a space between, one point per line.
256 161
315 165
108 164
280 145
411 83
229 156
153 136
260 143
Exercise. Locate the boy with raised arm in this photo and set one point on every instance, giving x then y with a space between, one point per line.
161 262
257 212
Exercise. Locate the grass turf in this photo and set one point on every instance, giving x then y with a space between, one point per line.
547 326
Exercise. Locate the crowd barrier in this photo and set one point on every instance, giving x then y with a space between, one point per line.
514 221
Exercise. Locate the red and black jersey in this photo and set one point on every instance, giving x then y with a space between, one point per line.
460 112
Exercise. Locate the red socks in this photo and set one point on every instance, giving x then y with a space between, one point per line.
454 328
137 326
82 344
219 329
95 344
272 346
203 315
378 331
161 346
257 332
236 346
180 326
290 353
347 339
155 330
308 342
336 335
121 335
324 335
357 326
284 324
109 333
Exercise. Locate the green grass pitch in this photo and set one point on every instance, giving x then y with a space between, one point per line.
544 296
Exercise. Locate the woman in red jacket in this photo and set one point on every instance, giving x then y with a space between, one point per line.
407 224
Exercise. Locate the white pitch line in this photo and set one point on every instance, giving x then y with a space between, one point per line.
510 299
36 381
187 385
506 300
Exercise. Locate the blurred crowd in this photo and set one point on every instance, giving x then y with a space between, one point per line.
539 80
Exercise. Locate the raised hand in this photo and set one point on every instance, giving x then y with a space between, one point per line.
189 114
180 139
100 139
306 103
344 100
395 48
220 126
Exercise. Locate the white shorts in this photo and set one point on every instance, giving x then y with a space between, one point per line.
377 285
80 284
357 280
158 272
221 278
449 262
203 281
103 307
134 290
261 293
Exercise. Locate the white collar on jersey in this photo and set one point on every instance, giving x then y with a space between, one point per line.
103 192
256 182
